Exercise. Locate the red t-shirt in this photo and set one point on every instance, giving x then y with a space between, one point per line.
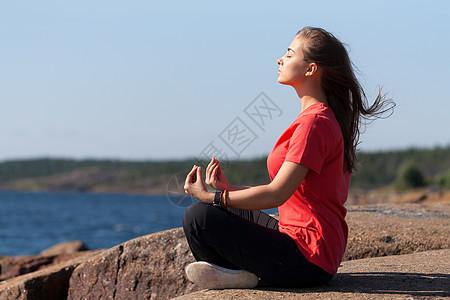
314 216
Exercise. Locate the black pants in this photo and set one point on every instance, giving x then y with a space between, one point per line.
248 240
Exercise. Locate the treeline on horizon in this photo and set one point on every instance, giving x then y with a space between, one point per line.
408 168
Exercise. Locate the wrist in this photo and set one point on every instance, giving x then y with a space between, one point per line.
217 198
208 197
220 198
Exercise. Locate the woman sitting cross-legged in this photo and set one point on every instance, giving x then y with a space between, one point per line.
235 244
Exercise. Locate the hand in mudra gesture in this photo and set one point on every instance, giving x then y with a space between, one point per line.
215 177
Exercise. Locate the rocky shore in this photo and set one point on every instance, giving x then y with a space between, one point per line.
398 250
422 275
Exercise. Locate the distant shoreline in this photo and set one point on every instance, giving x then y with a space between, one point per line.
375 170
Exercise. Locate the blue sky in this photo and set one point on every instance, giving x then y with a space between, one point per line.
163 80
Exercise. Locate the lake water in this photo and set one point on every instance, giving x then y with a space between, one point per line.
31 222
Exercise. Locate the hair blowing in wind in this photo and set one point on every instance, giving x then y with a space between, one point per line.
344 93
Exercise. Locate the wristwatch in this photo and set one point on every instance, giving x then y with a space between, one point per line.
216 201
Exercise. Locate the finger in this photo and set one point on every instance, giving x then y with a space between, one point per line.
199 173
214 172
190 175
208 177
211 170
211 164
218 163
214 164
193 170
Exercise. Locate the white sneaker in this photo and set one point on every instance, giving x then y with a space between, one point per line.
210 276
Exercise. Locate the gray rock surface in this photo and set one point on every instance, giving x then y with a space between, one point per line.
381 230
65 248
423 275
149 267
152 266
12 266
48 283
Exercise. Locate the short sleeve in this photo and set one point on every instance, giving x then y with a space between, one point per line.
307 146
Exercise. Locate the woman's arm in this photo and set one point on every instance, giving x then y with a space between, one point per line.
274 194
271 195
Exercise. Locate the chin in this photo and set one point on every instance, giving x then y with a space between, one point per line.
281 81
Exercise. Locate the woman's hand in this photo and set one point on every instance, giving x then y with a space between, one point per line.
195 186
215 177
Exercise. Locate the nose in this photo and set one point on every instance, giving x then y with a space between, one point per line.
280 60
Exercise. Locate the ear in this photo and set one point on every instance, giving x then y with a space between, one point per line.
312 69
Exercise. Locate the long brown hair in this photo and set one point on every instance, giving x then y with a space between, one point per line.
344 93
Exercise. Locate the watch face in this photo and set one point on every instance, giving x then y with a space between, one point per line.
217 198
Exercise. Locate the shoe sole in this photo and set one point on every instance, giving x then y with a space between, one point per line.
210 276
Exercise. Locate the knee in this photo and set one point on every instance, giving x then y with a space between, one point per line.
194 214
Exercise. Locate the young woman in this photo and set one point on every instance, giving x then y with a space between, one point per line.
235 244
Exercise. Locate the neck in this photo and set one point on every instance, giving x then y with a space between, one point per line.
310 95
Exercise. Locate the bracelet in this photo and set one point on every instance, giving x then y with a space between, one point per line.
225 196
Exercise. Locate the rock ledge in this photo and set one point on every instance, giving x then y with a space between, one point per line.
423 275
152 266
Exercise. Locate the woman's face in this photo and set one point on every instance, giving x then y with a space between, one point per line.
292 67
